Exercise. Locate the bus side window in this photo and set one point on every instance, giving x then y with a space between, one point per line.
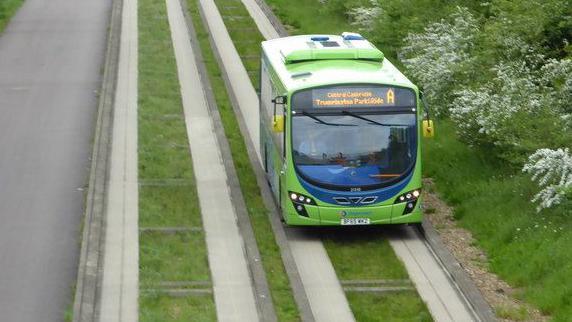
278 115
267 93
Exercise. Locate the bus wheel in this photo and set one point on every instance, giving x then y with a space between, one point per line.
417 226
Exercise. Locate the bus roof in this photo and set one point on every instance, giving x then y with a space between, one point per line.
316 60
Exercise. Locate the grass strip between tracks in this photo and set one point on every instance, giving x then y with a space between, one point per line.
170 199
7 9
355 254
284 304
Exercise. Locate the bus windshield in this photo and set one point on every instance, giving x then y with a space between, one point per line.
348 149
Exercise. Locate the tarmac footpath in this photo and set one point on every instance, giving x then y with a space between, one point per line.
51 57
232 284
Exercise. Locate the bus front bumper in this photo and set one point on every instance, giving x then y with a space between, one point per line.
336 216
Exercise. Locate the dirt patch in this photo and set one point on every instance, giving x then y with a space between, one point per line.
461 244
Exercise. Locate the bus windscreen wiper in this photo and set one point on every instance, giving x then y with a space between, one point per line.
367 120
312 116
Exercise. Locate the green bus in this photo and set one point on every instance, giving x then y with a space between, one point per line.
340 132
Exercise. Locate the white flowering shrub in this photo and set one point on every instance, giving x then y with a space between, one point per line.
434 55
520 110
365 17
557 75
485 112
552 170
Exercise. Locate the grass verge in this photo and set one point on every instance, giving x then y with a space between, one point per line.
355 255
164 156
7 9
530 251
278 282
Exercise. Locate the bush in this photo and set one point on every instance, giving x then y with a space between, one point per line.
436 55
364 17
519 111
552 170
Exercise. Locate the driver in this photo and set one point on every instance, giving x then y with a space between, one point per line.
312 145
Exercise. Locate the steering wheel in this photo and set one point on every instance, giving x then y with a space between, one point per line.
341 159
372 158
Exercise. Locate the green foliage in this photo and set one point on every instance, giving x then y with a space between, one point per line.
528 250
436 56
515 113
7 10
495 78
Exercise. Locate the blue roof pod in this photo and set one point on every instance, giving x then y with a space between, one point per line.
320 38
352 36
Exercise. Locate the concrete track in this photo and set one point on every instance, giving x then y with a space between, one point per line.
232 285
50 62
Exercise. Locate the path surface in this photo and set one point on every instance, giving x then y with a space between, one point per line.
325 295
262 22
119 291
232 285
50 61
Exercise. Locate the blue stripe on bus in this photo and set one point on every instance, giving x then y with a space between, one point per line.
382 194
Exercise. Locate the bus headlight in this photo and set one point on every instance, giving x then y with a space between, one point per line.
298 198
410 198
299 201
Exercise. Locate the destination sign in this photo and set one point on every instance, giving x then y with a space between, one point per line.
353 97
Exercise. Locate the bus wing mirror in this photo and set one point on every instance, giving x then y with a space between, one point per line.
428 129
278 124
279 100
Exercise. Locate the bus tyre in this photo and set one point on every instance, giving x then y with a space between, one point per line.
417 226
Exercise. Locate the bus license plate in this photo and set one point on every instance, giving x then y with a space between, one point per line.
355 221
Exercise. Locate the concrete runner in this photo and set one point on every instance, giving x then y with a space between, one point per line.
444 300
325 294
264 25
119 291
232 285
233 67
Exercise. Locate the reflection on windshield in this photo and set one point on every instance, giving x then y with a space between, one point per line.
367 150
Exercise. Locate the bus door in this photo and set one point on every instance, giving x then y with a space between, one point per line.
278 138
